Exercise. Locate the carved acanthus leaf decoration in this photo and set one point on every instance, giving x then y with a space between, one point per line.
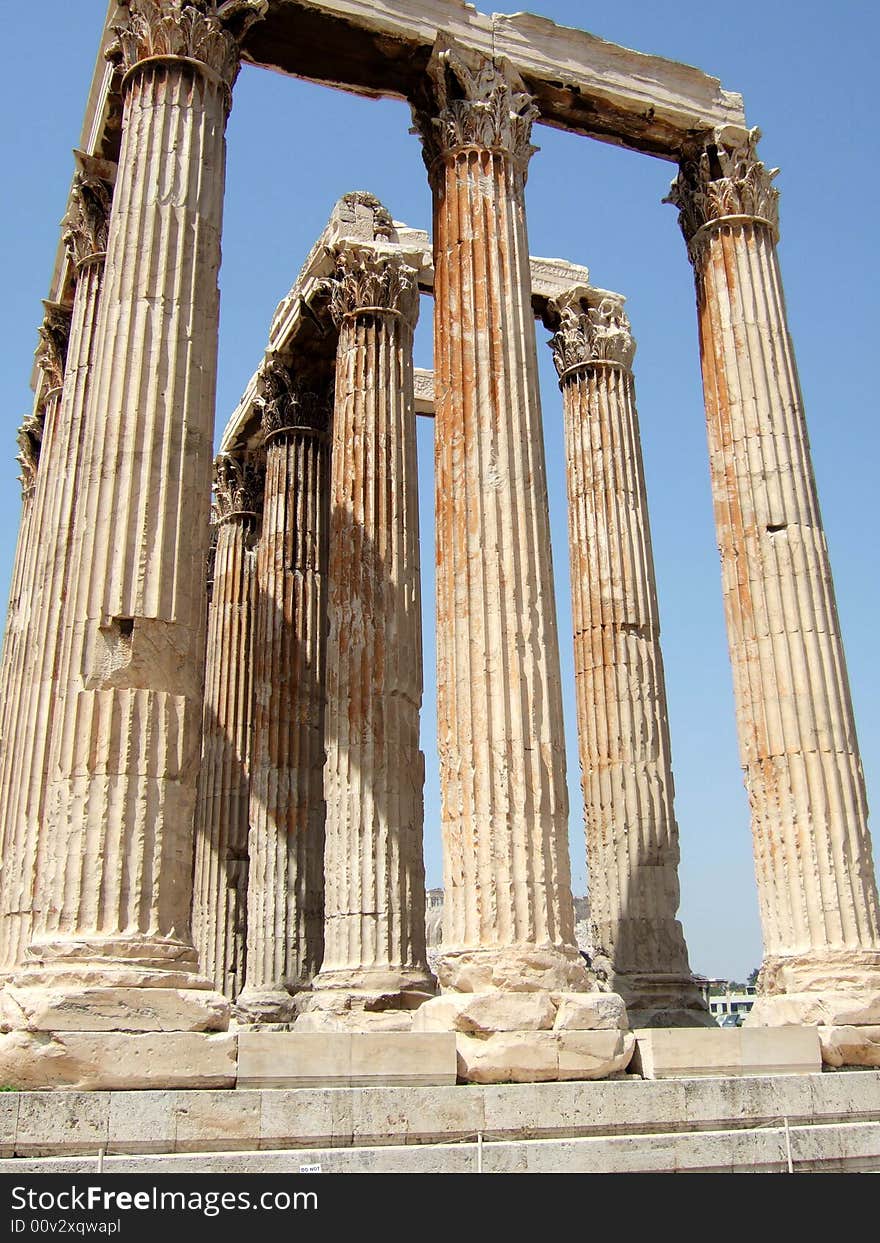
208 31
477 101
87 219
285 405
54 333
368 279
238 487
29 440
587 334
724 180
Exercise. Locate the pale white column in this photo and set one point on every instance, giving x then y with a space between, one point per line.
286 841
114 860
221 825
800 755
23 733
623 729
374 940
508 918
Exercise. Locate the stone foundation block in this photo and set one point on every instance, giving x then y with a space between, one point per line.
78 1009
117 1060
9 1112
344 1059
354 1021
687 1053
542 1056
850 1046
590 1012
514 968
824 1009
50 1123
496 1011
486 1012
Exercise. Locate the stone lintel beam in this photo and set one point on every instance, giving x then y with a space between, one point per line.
579 81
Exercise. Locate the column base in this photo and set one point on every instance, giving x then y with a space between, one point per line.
270 1008
368 1000
513 968
532 1037
111 985
662 1000
837 992
94 1061
832 971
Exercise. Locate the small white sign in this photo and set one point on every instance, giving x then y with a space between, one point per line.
311 1169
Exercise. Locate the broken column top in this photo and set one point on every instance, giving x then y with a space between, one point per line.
301 328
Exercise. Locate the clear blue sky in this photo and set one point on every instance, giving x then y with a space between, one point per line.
808 75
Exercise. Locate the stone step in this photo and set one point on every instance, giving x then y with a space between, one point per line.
74 1124
833 1148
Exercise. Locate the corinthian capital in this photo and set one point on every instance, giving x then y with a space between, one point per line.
588 334
286 406
85 225
474 101
29 439
206 31
52 349
238 488
366 280
725 178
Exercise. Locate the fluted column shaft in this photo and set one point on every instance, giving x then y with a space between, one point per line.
221 825
115 863
286 842
623 730
509 915
374 774
15 621
818 895
24 727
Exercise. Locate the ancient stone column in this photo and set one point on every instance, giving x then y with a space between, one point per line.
221 825
23 773
29 439
114 863
286 841
623 730
23 737
374 923
818 894
509 918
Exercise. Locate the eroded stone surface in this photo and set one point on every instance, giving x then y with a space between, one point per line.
117 1060
850 1046
500 1011
111 1009
487 1012
827 1008
589 1011
535 1057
